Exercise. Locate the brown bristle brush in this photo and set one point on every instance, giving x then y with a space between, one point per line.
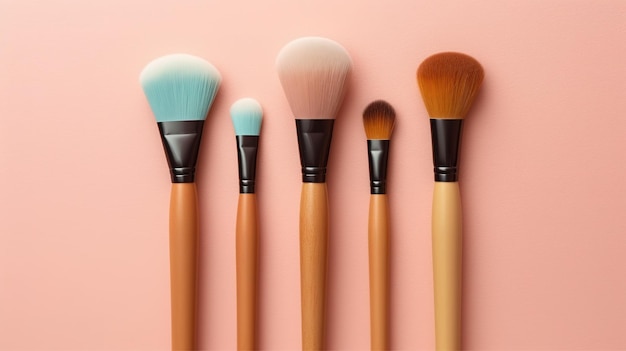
449 82
378 120
313 72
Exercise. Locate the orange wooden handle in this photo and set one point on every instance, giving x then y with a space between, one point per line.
378 232
247 256
183 264
447 264
313 257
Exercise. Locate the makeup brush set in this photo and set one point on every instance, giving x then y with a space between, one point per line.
314 73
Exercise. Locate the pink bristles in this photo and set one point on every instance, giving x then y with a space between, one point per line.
313 72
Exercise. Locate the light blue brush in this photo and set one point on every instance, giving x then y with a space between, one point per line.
247 115
180 89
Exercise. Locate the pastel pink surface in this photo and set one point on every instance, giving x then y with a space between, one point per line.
84 202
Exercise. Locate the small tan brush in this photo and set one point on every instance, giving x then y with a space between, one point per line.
378 120
449 82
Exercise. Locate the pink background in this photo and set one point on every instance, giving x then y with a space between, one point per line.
85 187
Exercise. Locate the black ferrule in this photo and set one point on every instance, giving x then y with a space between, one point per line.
314 136
446 138
247 146
181 141
378 151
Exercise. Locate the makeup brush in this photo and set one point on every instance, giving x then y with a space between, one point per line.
313 72
449 83
246 115
180 89
378 120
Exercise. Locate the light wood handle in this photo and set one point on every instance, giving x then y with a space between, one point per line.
247 256
378 233
313 257
447 267
183 264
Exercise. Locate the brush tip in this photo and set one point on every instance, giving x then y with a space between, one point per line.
378 120
313 72
180 87
247 115
449 83
305 47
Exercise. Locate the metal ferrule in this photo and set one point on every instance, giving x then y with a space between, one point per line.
181 141
314 137
446 138
378 154
247 146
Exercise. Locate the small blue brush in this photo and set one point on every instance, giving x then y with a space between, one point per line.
180 90
247 115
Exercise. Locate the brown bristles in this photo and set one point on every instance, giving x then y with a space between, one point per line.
378 120
449 82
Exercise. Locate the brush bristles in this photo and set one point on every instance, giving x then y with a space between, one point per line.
313 72
247 115
449 83
180 87
378 119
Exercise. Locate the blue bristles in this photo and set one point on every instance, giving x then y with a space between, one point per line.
180 87
247 115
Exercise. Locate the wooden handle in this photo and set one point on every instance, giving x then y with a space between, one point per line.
313 252
378 230
447 254
183 264
247 256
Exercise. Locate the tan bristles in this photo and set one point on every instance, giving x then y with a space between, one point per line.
378 120
449 82
313 72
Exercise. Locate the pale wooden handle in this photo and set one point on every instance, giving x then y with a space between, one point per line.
378 232
247 256
313 252
447 267
183 264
